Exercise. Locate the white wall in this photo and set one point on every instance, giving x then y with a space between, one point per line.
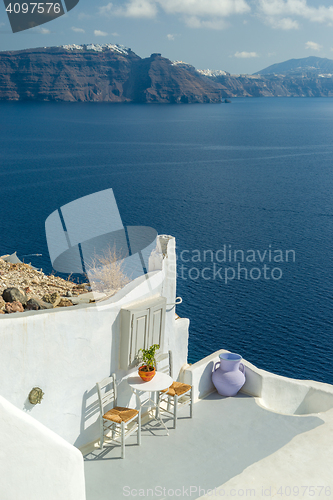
66 351
36 462
199 375
274 392
178 341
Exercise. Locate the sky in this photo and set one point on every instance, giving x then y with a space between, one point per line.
238 36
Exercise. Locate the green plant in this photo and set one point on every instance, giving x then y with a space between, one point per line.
148 357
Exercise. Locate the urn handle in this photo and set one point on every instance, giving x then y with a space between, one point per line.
217 363
243 366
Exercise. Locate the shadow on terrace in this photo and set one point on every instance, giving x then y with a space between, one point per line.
224 437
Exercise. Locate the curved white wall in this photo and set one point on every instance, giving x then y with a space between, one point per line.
66 351
294 397
36 462
274 392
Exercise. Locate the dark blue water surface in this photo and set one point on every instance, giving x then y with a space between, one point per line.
254 175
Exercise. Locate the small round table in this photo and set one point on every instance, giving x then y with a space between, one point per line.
160 382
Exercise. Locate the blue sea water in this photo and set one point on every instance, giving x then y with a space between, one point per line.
254 176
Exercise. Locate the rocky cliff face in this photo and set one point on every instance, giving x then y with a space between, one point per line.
106 73
111 73
276 86
168 82
312 64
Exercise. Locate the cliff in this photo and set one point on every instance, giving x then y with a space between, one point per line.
307 77
308 85
312 64
108 73
113 73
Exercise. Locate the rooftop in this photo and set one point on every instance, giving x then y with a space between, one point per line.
273 440
231 444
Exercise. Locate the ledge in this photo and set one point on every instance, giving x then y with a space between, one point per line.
273 392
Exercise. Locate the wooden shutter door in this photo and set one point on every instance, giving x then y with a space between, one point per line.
156 325
139 332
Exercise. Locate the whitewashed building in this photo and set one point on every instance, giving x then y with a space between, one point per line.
64 352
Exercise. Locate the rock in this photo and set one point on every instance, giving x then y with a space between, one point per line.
13 294
41 303
82 286
32 305
52 298
26 285
13 307
45 305
65 303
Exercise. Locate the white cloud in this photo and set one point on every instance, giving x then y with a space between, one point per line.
140 8
100 33
211 14
279 11
133 8
106 9
78 30
115 34
171 37
286 23
195 13
43 31
246 55
196 22
313 46
221 8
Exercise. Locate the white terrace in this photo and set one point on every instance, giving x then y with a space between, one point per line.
273 440
232 447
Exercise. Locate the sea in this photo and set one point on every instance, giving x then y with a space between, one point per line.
246 188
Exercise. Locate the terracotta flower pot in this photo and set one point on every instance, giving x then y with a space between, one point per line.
146 376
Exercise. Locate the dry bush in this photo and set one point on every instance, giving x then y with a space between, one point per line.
105 272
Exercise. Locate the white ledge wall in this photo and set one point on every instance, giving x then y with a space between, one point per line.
35 462
274 392
178 342
66 351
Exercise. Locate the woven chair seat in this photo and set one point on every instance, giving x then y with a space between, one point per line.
177 388
120 414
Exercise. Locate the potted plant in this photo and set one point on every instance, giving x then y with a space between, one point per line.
148 368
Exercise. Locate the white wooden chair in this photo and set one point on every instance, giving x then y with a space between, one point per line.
118 421
177 395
